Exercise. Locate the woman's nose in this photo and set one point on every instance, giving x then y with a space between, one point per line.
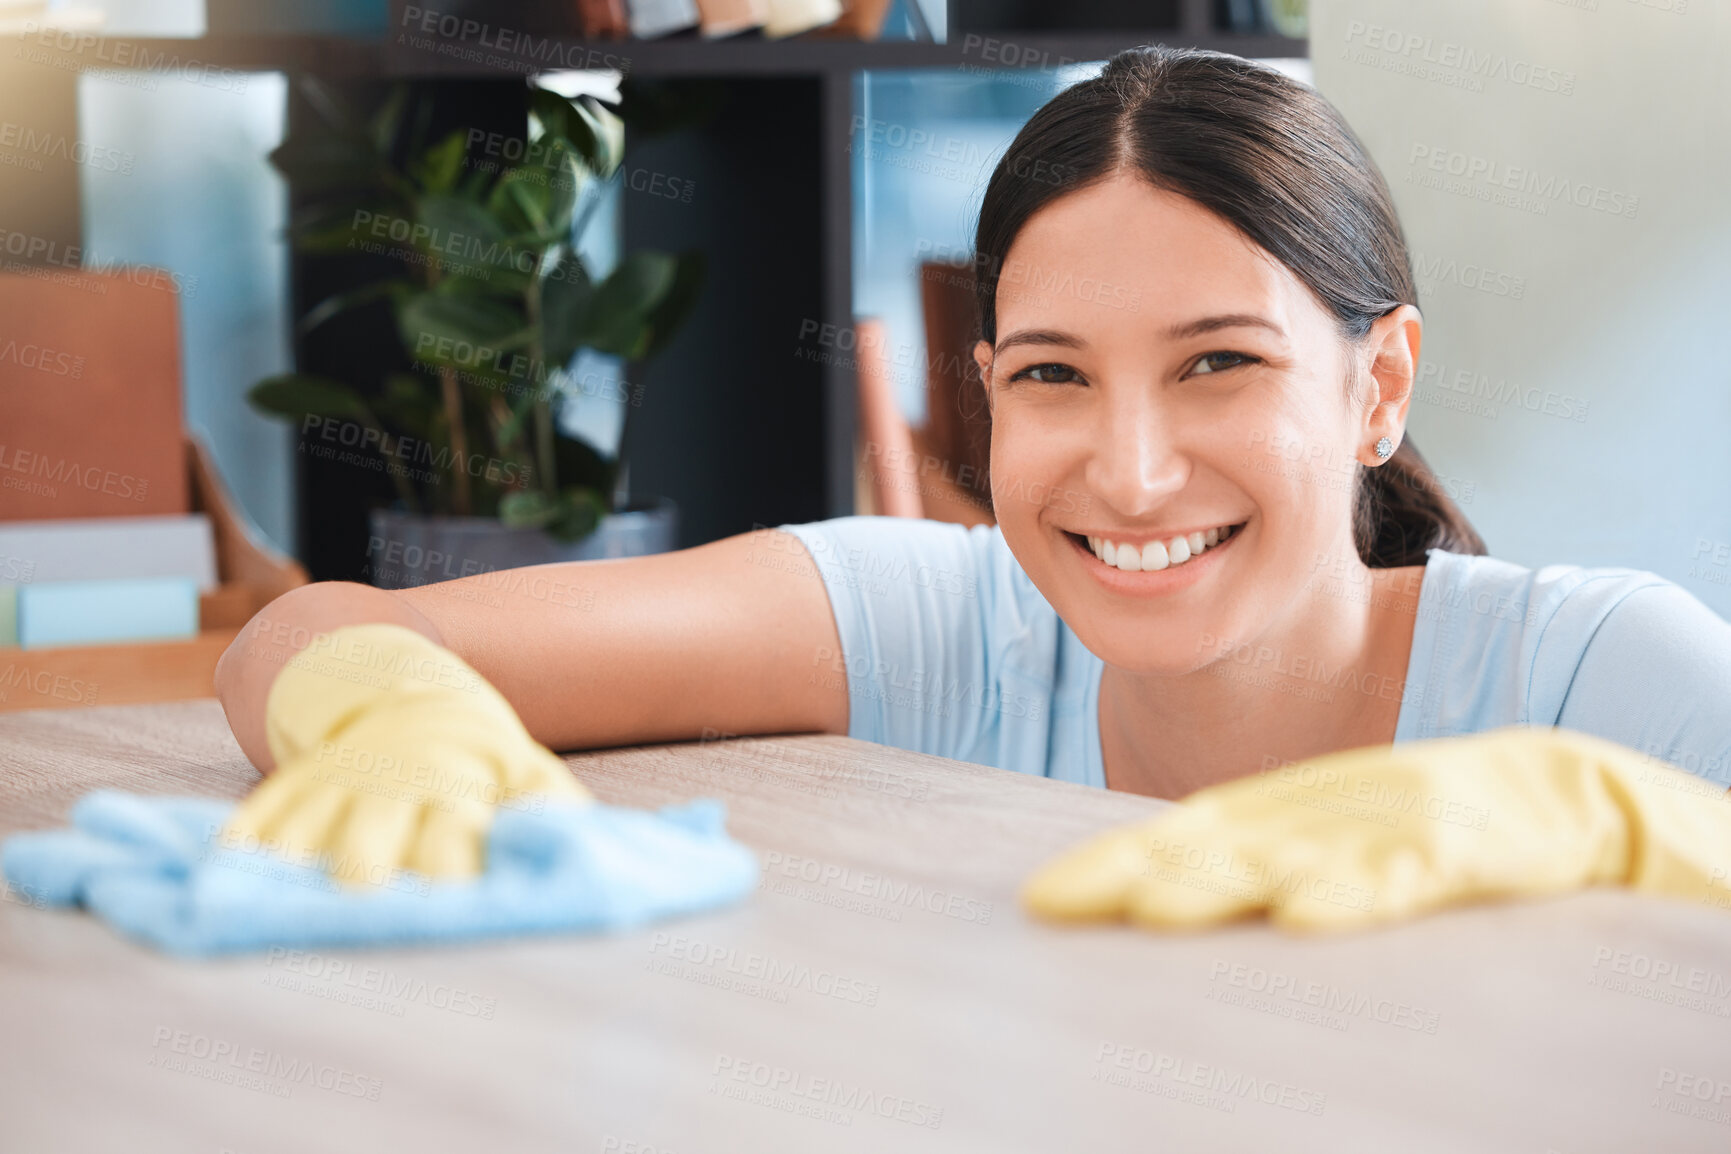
1135 465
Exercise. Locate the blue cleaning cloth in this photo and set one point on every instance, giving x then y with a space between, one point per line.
154 868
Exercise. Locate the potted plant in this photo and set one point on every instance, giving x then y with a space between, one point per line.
490 303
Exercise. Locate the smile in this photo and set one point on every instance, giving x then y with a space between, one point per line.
1177 553
1161 552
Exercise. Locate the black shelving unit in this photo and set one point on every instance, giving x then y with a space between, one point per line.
734 426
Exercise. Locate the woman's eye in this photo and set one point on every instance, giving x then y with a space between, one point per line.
1050 374
1210 362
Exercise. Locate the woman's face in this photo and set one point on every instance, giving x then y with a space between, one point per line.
1158 377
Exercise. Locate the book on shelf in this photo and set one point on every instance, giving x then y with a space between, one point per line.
715 19
603 19
650 19
860 20
791 17
61 613
87 548
728 17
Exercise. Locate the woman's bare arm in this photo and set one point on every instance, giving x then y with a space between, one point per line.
726 636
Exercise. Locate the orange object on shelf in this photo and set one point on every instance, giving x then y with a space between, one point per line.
90 385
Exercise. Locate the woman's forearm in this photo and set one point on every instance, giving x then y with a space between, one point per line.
284 628
725 637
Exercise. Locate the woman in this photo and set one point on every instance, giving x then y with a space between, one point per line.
1215 551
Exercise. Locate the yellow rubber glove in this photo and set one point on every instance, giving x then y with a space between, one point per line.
1383 833
392 754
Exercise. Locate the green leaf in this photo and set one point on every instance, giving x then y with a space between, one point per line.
523 201
468 241
666 317
437 169
619 315
411 401
300 395
566 293
469 332
576 514
594 134
566 178
343 226
526 509
568 517
550 114
474 185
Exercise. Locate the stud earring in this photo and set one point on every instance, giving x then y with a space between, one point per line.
1384 448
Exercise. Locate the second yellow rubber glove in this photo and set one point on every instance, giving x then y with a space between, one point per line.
392 754
1384 833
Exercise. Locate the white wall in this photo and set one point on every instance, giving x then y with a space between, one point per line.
199 199
1619 318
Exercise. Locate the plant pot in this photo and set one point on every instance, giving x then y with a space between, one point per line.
408 549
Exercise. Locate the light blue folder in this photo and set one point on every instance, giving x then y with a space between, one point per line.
54 613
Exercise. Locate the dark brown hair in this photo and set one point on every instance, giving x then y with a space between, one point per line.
1275 160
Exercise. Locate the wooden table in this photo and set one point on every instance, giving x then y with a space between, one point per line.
880 991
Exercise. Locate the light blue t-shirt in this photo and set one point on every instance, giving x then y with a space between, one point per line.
947 648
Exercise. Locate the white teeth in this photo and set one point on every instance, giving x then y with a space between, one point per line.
1157 555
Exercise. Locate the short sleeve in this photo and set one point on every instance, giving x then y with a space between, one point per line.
1656 676
910 610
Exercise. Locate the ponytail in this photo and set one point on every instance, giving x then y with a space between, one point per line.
1401 510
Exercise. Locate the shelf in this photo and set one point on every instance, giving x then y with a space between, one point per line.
129 674
206 58
759 57
508 54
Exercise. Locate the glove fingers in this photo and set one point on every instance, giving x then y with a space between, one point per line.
450 841
304 825
375 837
1340 888
1203 880
1136 872
1091 882
269 806
536 769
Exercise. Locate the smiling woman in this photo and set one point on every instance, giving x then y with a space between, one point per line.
1216 551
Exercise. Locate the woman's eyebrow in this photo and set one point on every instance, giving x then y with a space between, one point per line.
1177 332
1040 337
1202 325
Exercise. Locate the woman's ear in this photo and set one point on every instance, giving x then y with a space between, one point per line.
1392 350
983 358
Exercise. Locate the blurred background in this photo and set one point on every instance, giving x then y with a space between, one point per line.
400 293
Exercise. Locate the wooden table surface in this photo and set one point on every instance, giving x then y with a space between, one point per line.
879 991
